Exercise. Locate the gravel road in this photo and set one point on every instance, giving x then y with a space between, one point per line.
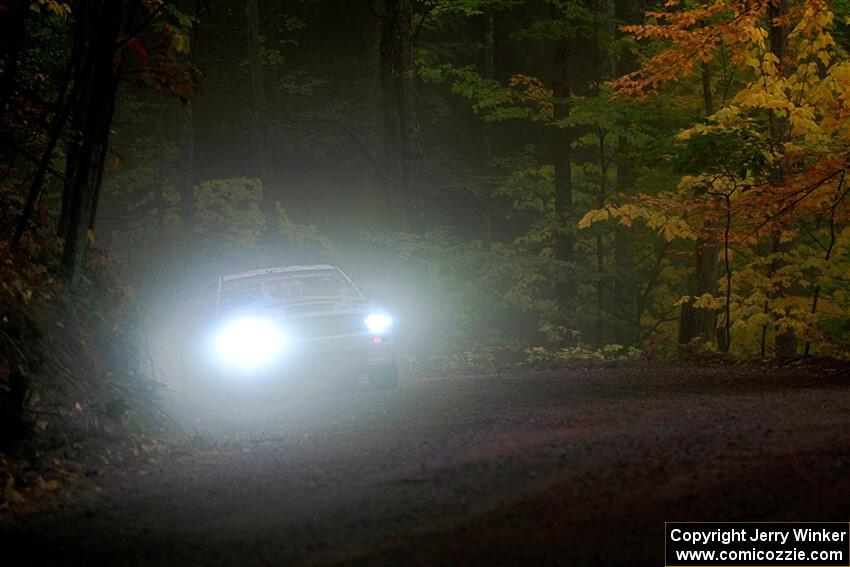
577 467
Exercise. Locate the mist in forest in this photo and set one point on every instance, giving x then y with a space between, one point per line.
528 174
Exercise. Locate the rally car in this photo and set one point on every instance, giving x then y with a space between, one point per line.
273 322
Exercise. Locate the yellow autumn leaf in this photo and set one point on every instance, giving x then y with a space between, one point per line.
593 216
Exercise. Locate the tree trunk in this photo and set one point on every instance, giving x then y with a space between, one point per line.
60 117
562 139
601 281
785 343
186 169
378 205
77 103
100 164
186 149
262 142
625 288
391 119
402 152
700 322
12 36
13 19
98 83
72 150
488 72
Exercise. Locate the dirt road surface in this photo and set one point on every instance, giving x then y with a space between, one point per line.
575 467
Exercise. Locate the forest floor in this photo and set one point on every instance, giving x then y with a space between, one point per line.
573 466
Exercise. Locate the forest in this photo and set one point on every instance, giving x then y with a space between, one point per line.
552 179
579 267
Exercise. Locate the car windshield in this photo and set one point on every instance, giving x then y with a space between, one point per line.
283 288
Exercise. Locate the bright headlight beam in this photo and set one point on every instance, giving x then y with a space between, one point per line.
378 322
249 342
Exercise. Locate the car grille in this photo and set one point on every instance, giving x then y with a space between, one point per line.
328 326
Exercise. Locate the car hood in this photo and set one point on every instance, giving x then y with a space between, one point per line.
318 308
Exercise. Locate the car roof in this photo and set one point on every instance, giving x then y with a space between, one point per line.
280 270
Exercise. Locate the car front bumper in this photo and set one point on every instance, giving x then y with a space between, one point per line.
340 354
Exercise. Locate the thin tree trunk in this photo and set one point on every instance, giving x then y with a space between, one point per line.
186 168
60 117
379 204
826 257
103 151
600 250
186 150
724 342
488 72
71 161
562 139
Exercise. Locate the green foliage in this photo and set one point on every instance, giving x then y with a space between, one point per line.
228 217
737 152
446 359
475 286
537 355
436 8
230 221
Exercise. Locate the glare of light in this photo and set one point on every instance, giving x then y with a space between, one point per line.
249 343
378 322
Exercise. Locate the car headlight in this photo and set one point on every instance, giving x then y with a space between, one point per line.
249 342
378 323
